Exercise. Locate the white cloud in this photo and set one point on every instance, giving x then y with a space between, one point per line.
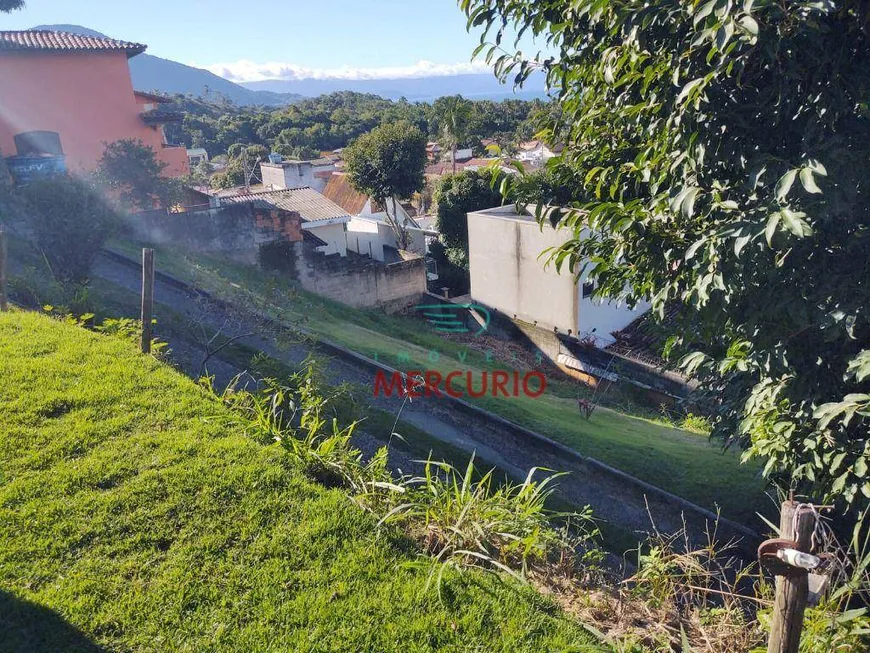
249 71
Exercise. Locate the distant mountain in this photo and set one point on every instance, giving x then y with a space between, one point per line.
472 86
152 73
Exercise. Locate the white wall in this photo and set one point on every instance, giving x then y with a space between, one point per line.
289 174
333 234
506 273
598 318
368 236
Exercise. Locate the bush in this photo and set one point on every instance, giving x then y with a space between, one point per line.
70 221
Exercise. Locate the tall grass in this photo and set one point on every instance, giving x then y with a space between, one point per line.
465 518
470 518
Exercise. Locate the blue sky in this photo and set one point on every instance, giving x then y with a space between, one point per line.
268 38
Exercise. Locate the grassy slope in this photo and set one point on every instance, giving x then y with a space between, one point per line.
672 459
133 516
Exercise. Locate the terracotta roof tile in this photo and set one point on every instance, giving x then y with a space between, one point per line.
45 40
339 190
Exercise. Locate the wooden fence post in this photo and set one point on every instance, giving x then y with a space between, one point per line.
4 305
790 602
147 298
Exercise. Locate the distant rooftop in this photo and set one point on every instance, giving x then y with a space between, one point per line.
49 41
307 202
153 97
339 190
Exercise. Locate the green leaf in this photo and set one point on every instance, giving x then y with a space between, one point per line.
795 223
772 223
688 88
740 242
749 24
808 182
783 186
693 361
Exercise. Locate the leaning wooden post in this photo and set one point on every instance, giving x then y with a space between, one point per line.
147 298
791 590
4 305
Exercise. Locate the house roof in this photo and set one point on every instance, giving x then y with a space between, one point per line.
159 116
339 191
307 202
51 41
153 97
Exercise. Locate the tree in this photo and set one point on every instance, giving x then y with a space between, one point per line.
71 222
130 168
386 164
456 196
722 148
11 5
243 166
453 114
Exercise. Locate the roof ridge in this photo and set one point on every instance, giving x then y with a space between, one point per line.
63 41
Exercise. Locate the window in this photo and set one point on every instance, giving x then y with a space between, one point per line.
588 289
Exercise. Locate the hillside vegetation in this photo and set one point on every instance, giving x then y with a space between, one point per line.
133 516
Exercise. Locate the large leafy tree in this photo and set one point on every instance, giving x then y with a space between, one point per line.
11 5
388 163
456 196
131 169
723 150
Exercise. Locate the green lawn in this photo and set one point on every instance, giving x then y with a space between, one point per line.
133 518
676 460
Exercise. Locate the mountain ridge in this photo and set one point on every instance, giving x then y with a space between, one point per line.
470 85
152 73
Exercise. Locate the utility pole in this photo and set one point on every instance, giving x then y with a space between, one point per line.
147 298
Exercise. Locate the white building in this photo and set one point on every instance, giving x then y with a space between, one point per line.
369 232
278 174
537 152
509 274
196 155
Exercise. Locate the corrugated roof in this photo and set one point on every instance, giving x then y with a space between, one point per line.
46 40
307 202
339 191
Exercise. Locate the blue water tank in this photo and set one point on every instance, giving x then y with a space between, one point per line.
29 168
274 157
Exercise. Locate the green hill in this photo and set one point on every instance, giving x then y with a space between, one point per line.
133 517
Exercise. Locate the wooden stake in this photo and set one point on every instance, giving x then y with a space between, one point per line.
791 591
147 298
4 305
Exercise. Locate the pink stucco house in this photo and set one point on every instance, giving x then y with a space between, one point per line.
79 87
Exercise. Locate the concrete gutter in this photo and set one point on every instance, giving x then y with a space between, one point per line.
466 407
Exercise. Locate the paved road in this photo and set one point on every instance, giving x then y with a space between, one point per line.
612 499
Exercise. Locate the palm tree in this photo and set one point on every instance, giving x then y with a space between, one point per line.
453 114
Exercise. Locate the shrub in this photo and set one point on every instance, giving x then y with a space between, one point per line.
70 222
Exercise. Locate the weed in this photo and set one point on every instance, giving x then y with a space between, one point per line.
465 519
